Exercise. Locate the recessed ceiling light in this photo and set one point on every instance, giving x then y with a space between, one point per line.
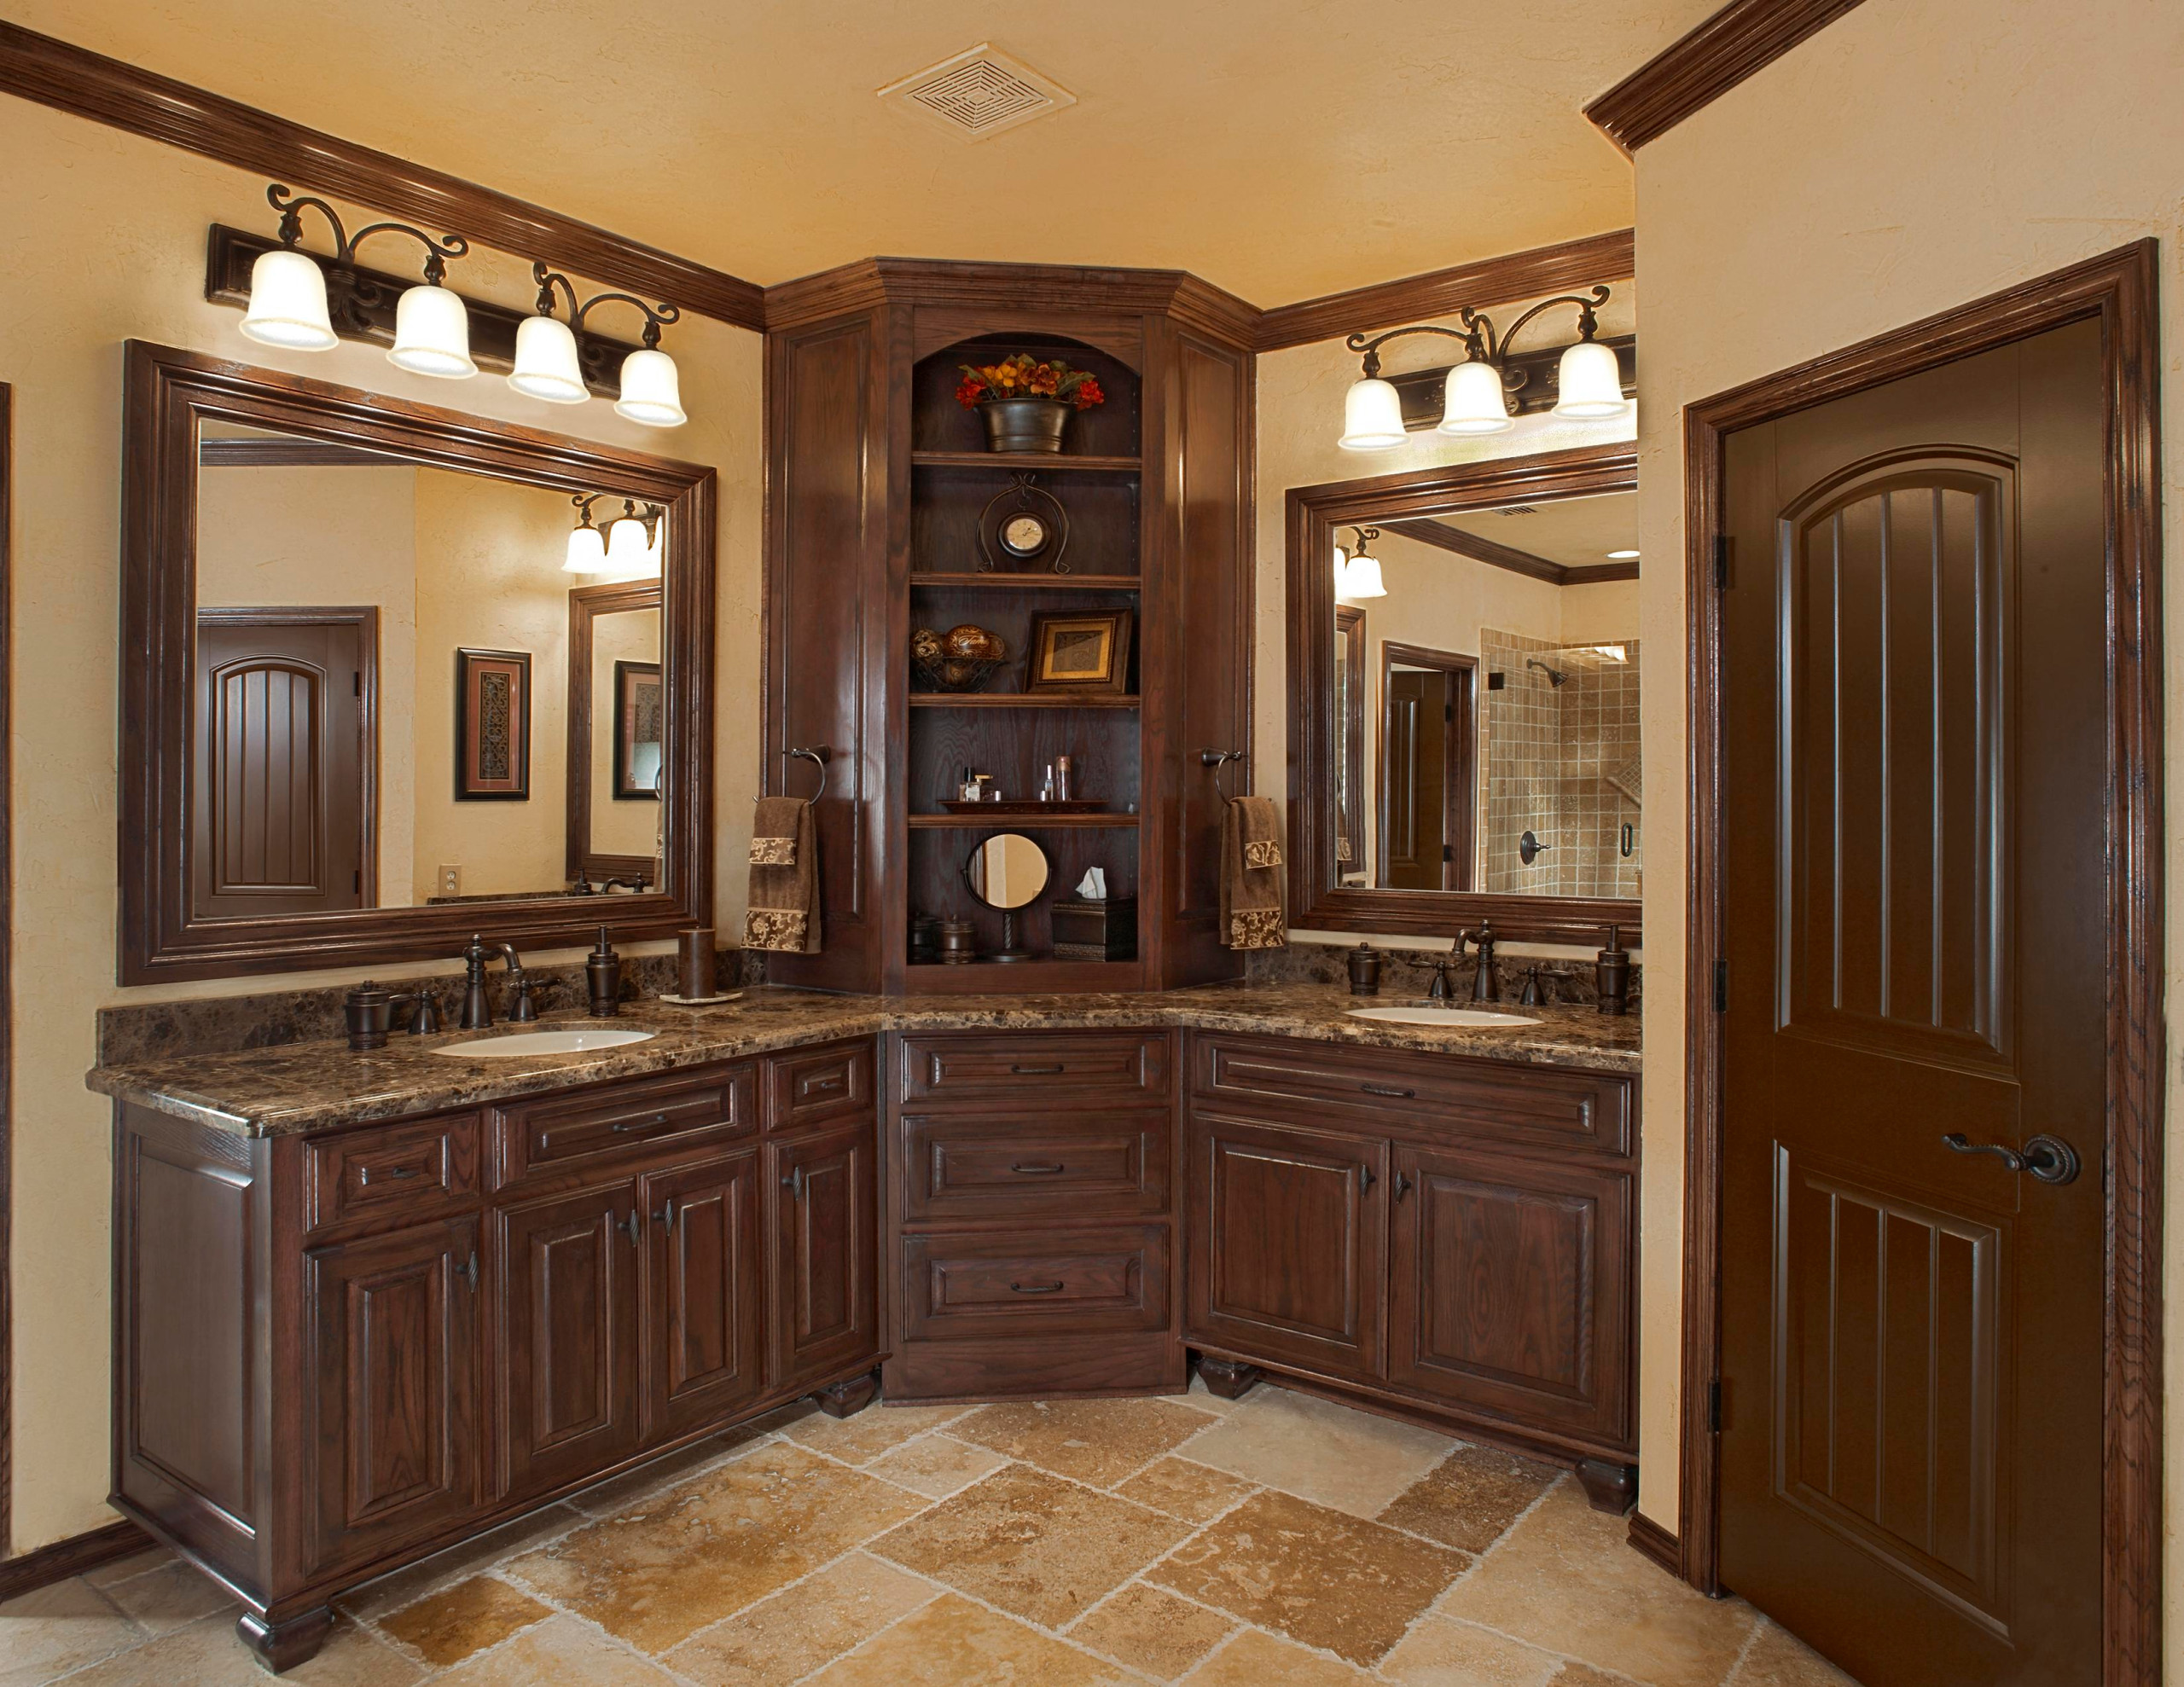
1623 556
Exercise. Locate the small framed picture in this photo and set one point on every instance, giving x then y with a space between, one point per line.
1080 650
639 738
492 726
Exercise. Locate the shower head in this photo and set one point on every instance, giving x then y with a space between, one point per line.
1555 676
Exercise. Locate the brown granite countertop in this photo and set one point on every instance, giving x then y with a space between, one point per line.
300 1087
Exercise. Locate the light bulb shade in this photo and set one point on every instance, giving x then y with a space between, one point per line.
652 390
1473 401
1590 383
628 549
288 303
587 552
546 361
432 334
1371 417
1360 577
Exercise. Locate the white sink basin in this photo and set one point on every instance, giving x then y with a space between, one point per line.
544 1042
1473 1019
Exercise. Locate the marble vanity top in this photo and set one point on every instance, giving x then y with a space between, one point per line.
310 1085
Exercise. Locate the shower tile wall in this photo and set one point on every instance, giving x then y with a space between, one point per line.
1562 762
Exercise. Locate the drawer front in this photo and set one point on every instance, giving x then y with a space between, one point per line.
1035 1064
813 1087
391 1174
1065 1282
1437 1094
577 1130
1095 1163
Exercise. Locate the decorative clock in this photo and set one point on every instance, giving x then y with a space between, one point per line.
1023 528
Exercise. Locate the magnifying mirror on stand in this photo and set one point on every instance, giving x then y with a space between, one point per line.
1007 871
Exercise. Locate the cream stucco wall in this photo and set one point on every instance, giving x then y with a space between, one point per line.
1913 156
630 826
106 238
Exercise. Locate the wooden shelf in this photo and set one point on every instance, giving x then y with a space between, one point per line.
1018 460
1017 822
1040 975
1036 582
986 699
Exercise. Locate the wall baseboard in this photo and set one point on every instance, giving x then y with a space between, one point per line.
58 1560
1656 1543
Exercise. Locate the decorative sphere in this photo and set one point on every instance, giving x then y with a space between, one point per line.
925 646
969 643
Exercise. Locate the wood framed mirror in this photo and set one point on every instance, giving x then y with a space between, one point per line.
1463 733
309 574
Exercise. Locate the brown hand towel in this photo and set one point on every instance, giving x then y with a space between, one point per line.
1254 913
784 911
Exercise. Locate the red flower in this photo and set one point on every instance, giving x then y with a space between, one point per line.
1088 394
970 391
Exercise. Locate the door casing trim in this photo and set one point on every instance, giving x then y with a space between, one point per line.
2119 288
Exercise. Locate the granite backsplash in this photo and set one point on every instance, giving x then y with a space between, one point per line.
1409 972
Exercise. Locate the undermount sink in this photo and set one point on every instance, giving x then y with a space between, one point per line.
1472 1019
544 1042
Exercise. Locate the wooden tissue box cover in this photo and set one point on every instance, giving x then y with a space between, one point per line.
1095 930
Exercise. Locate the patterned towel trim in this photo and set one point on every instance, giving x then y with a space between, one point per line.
1258 929
1264 852
775 929
773 852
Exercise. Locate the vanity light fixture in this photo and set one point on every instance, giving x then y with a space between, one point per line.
587 544
287 293
631 544
1475 398
1357 573
547 366
1623 556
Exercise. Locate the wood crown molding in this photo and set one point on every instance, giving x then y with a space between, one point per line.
1457 542
1738 42
74 79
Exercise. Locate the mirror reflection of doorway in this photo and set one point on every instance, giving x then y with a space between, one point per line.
1428 768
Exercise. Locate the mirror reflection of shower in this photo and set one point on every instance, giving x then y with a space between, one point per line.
1564 801
1555 676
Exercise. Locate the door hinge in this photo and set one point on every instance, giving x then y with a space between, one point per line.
1714 1406
1448 852
1721 562
360 881
356 682
1721 985
1449 713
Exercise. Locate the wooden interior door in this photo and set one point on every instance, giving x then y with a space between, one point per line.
1915 899
826 1269
281 810
1414 804
704 1309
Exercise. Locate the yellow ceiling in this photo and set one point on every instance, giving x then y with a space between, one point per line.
1280 149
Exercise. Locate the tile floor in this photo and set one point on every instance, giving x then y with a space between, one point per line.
1277 1539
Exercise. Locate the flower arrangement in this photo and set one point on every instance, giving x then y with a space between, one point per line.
1024 376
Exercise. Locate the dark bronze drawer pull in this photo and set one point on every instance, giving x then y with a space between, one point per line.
794 1184
633 1226
1389 1089
1037 1072
468 1273
1364 1177
1038 1171
1402 1185
364 1173
652 1124
1035 1288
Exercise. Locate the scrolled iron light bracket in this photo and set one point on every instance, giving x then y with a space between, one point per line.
1481 343
657 316
290 205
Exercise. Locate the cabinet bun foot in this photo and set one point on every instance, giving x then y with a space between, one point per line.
1612 1488
1228 1378
282 1645
844 1399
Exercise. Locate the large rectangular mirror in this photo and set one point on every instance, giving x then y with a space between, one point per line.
1464 667
377 709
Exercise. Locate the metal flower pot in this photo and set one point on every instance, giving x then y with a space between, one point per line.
1024 423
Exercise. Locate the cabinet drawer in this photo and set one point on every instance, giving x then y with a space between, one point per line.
1035 1063
577 1129
1093 1163
392 1175
813 1085
1065 1282
1436 1094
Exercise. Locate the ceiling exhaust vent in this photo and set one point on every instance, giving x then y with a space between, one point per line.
979 93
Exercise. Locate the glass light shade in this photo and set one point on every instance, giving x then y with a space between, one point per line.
1371 417
587 551
1591 384
1360 577
546 361
628 550
432 334
652 390
1473 401
288 303
1623 556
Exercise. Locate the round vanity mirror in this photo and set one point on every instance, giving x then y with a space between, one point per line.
1007 871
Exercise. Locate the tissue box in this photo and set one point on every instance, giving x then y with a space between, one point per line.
1085 930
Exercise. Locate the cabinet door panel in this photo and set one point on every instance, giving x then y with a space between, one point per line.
1289 1257
703 1309
567 1359
825 1199
1511 1288
392 1355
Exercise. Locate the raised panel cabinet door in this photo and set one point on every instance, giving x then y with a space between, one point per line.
1510 1290
568 1270
390 1365
824 1197
1288 1258
704 1302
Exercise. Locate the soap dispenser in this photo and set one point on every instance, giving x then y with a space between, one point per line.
1611 971
1364 970
602 973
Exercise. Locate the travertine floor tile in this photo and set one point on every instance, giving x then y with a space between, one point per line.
135 1564
1032 1544
1330 1454
936 1466
207 1653
1443 1653
460 1621
405 1587
1151 1631
953 1642
560 1653
1191 1492
864 1435
1098 1441
168 1597
1559 1581
1206 1400
677 1468
1319 1576
1779 1658
786 1637
1470 1497
1254 1660
56 1629
661 1571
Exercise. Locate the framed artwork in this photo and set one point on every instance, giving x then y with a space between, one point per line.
1081 650
639 732
492 726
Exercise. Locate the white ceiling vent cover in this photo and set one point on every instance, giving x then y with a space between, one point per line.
979 93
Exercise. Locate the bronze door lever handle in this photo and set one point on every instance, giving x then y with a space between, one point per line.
2050 1158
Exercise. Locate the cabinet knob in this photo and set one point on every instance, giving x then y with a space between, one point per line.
468 1273
633 1226
666 1214
1364 1177
1402 1185
794 1184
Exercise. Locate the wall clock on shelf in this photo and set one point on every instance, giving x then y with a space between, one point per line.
1022 530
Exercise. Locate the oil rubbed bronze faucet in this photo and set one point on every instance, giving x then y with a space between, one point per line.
1486 979
476 1004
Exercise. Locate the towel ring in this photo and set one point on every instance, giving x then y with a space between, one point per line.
818 756
1219 759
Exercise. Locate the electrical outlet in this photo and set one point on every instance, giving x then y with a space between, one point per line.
450 880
